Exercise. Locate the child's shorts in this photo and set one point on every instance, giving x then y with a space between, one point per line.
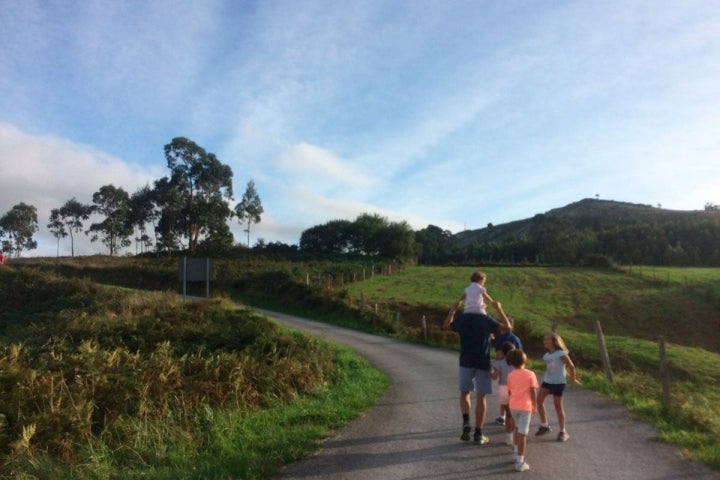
522 421
556 389
503 394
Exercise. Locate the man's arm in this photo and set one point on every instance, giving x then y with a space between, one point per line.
451 314
505 323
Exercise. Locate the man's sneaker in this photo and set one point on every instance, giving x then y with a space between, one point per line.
500 420
465 437
522 467
542 430
481 439
563 437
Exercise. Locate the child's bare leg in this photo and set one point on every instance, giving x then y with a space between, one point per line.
509 421
520 443
544 392
560 410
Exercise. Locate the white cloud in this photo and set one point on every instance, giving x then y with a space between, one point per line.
46 171
305 162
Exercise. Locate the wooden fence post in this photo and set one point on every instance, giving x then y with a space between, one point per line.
604 357
664 376
424 327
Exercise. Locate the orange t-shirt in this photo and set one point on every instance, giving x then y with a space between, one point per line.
520 382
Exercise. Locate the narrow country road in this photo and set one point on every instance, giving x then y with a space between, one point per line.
413 432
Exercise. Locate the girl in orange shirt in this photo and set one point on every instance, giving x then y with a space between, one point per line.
522 387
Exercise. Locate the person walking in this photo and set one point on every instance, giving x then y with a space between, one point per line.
558 365
499 342
475 330
522 391
500 371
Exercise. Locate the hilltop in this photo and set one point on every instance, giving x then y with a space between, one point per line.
625 232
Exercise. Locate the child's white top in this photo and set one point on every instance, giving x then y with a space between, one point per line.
474 302
555 372
504 368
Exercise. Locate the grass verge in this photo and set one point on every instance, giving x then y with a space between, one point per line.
99 382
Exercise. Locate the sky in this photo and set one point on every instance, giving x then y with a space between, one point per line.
450 113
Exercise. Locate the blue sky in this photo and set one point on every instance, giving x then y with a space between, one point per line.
451 113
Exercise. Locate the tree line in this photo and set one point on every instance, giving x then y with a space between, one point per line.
674 241
187 209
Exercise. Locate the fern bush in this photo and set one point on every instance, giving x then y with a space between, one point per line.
82 367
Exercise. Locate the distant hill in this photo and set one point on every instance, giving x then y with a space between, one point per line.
624 232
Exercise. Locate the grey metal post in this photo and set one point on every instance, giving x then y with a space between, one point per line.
604 357
207 277
184 277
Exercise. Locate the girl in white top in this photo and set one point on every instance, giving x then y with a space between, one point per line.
475 296
557 360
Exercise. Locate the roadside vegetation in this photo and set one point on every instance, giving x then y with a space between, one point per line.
102 382
636 306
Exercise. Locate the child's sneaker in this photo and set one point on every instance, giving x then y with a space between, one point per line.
500 420
563 437
543 430
509 439
522 467
465 437
481 439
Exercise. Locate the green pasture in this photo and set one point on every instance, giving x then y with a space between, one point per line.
635 307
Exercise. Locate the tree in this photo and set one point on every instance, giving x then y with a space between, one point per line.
194 198
249 209
72 214
57 227
335 236
114 204
712 207
367 226
370 235
142 212
396 241
19 224
435 245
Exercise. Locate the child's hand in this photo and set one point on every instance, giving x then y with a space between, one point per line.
576 379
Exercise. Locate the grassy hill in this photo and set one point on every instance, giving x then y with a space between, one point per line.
635 305
626 232
639 302
98 381
588 213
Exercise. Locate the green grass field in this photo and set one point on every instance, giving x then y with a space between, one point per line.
635 307
686 310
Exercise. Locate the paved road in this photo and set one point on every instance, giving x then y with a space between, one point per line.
413 431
